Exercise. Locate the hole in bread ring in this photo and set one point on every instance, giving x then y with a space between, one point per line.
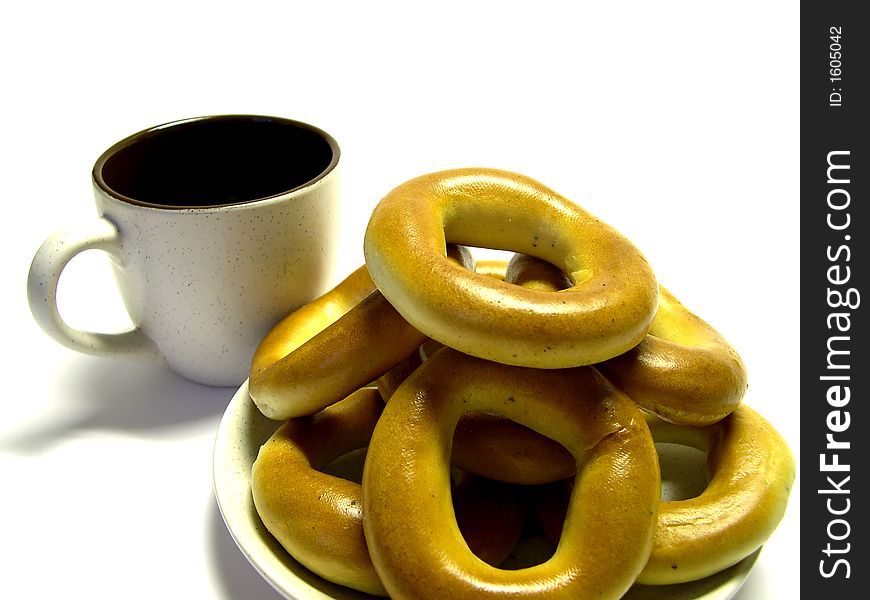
490 515
683 370
317 517
413 538
607 310
489 445
751 470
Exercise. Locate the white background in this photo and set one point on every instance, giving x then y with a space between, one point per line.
676 122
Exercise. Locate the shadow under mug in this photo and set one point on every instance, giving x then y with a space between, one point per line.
217 227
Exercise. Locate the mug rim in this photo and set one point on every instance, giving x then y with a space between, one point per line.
97 172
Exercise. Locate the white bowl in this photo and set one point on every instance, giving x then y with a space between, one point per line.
243 429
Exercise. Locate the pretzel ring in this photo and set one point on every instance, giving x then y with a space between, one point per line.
412 535
607 311
751 474
315 516
683 370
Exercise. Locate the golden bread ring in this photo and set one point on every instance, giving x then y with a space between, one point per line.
751 474
413 538
308 320
500 449
318 517
607 311
336 361
491 446
485 444
683 370
390 381
322 351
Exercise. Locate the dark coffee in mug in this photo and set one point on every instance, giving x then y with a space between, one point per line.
216 161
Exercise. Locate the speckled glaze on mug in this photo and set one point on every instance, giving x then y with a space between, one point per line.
217 227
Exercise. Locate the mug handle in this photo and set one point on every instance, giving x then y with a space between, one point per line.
45 270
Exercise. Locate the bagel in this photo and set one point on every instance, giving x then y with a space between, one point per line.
751 475
751 471
413 538
498 448
308 320
489 445
336 361
492 446
607 310
683 370
323 351
390 381
317 517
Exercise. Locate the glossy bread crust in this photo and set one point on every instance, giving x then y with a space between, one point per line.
683 370
607 310
315 516
420 552
751 472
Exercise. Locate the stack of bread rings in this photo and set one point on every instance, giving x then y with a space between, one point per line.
498 397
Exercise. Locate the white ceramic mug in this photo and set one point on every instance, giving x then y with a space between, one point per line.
217 228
